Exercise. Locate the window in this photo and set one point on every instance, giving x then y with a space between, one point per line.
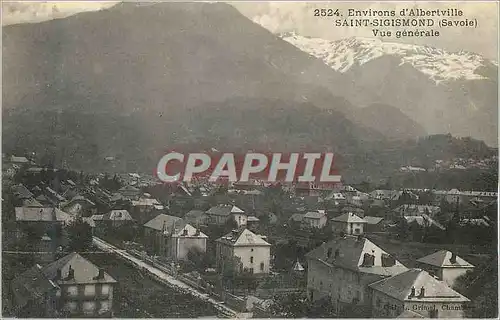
262 266
71 306
378 302
251 259
89 307
104 306
105 289
72 291
250 270
251 250
89 290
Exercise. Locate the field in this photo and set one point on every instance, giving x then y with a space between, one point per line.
139 296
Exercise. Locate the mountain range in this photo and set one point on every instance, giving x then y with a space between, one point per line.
444 92
130 82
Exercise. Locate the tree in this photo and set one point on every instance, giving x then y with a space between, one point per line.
480 286
294 305
79 235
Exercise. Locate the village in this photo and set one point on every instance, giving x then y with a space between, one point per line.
102 245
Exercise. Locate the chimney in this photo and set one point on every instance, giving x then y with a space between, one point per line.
453 258
422 293
100 275
71 274
337 253
197 232
360 237
185 232
58 275
412 293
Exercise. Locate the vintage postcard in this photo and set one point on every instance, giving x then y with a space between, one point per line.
249 159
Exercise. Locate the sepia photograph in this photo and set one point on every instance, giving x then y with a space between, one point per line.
249 159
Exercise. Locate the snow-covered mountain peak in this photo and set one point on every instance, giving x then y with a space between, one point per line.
438 64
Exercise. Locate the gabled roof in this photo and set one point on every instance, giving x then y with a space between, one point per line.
31 203
21 192
41 214
400 287
118 215
84 270
253 219
442 259
423 220
372 220
297 266
19 159
190 232
224 210
31 285
163 222
349 217
243 237
349 252
315 214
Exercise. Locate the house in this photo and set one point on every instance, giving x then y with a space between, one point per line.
71 286
130 192
80 206
424 220
111 220
145 209
416 210
196 217
342 269
336 197
373 224
43 219
20 192
417 291
252 252
172 237
348 223
296 219
445 265
252 222
315 219
221 213
186 239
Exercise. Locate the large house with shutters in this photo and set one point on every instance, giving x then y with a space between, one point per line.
69 287
341 270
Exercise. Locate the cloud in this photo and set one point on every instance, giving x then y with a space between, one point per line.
29 12
298 16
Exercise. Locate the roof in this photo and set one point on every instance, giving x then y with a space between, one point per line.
21 192
253 219
193 214
31 203
190 232
372 220
121 215
31 285
243 237
128 189
442 259
84 270
400 287
349 217
164 222
297 266
41 214
423 220
224 210
349 252
315 214
146 202
413 209
19 159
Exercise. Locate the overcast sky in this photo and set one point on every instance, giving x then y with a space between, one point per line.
298 17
